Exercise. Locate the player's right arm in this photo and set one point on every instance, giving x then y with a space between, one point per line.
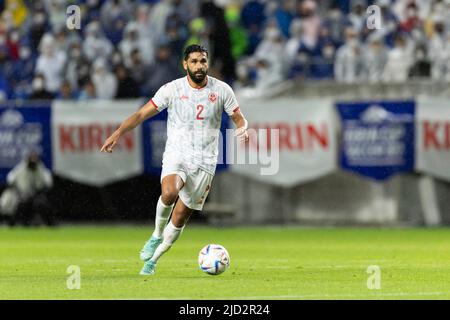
147 111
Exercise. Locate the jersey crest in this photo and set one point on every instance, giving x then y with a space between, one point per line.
212 97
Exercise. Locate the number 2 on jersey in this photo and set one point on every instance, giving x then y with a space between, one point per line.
199 112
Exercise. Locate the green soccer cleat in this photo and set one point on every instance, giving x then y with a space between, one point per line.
148 269
149 248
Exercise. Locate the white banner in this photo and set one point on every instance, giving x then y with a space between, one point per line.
78 132
302 140
433 136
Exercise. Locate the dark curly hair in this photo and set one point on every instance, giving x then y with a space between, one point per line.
194 48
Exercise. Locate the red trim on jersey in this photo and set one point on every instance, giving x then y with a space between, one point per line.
236 109
154 104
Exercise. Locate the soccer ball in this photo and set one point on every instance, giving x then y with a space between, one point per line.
213 259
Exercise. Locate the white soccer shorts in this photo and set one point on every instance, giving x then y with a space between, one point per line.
197 183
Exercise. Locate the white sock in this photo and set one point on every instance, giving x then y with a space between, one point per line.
171 234
162 215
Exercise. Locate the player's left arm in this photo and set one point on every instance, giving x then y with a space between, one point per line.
241 125
231 107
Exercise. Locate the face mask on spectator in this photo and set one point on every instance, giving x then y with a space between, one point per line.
24 53
412 13
352 42
272 33
39 19
420 55
38 84
416 35
116 58
335 14
328 51
221 3
92 3
14 36
75 53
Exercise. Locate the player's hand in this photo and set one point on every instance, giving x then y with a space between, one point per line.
111 143
241 134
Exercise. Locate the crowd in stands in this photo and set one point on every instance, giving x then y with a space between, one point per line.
129 48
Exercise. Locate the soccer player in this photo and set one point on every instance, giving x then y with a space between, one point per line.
195 104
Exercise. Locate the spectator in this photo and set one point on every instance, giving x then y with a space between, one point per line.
253 15
132 40
186 10
439 49
176 37
57 12
323 64
399 61
39 89
311 24
268 65
348 63
115 32
127 87
358 17
145 25
164 69
24 68
158 16
88 91
78 67
336 23
219 36
412 19
104 81
390 24
421 66
18 11
293 44
127 32
62 40
139 71
238 36
285 15
374 59
91 11
51 63
39 26
312 60
199 33
96 45
272 46
30 182
66 92
13 44
113 10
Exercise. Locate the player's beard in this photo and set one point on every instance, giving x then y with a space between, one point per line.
197 77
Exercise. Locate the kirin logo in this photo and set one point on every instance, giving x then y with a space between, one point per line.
375 114
11 119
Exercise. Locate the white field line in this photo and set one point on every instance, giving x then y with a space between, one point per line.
307 296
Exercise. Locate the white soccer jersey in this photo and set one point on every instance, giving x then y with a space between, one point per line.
194 119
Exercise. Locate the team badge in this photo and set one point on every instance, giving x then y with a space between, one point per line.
212 97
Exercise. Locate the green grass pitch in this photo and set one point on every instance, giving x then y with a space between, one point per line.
266 263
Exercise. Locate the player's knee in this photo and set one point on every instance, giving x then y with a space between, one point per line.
169 195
